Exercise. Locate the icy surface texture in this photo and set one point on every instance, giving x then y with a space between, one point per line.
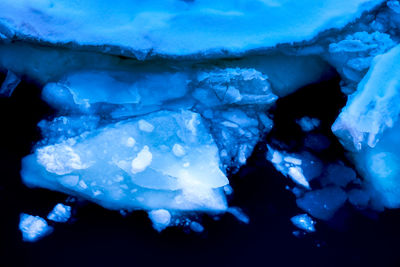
33 227
176 27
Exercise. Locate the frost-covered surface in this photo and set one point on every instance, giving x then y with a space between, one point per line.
33 227
176 27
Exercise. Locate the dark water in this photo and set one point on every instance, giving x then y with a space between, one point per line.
98 237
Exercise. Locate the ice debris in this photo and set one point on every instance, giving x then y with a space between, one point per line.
60 213
33 227
308 124
304 222
161 218
300 168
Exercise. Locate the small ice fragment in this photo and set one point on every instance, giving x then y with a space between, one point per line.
178 150
308 124
292 160
10 83
196 227
239 214
60 213
298 233
142 160
304 222
145 126
33 227
228 190
161 219
296 173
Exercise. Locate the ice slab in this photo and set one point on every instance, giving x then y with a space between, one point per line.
33 227
134 163
176 27
373 107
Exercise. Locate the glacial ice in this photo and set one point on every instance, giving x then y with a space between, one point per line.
33 227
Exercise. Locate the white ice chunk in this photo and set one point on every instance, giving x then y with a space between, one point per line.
60 159
296 173
33 227
161 219
142 160
60 213
145 126
99 166
289 165
304 222
373 107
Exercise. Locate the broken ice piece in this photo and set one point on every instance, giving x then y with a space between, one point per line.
33 227
288 165
60 213
196 227
308 124
161 218
304 222
239 214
